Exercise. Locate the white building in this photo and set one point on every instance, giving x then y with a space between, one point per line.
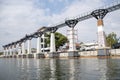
88 46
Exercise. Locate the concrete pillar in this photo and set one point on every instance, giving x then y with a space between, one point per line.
43 42
23 47
19 50
29 47
52 43
72 46
99 14
4 52
39 45
39 53
10 49
29 55
13 50
101 34
7 51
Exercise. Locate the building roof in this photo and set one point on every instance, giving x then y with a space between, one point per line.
42 29
89 44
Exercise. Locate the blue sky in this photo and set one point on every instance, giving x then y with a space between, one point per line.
20 17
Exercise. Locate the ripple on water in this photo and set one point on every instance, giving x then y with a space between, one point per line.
60 69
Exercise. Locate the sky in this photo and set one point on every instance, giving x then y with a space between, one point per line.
21 17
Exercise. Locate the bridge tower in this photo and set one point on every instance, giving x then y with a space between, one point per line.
99 15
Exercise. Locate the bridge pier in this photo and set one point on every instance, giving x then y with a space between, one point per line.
99 15
10 49
39 53
102 44
23 50
29 47
52 43
19 51
29 54
14 51
39 45
53 53
72 46
72 52
6 52
101 34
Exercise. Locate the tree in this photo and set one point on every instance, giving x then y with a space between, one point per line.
1 53
111 39
60 39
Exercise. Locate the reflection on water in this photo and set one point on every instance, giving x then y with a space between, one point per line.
59 69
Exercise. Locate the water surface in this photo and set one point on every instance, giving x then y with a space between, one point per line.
59 69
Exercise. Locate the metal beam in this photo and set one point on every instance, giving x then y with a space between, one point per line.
113 8
88 15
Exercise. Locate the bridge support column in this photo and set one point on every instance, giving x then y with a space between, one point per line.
72 52
39 53
101 34
29 54
10 52
19 50
72 46
52 43
7 54
14 51
53 53
23 50
99 15
4 51
102 47
29 47
39 45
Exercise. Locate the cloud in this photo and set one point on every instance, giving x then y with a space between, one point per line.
87 30
112 22
20 17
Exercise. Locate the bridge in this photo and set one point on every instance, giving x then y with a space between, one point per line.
98 14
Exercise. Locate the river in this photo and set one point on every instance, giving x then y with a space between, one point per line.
59 69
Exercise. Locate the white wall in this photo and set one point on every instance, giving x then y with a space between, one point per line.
114 51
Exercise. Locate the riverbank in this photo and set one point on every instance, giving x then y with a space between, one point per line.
84 54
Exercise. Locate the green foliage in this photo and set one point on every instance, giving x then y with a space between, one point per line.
1 53
111 39
60 39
